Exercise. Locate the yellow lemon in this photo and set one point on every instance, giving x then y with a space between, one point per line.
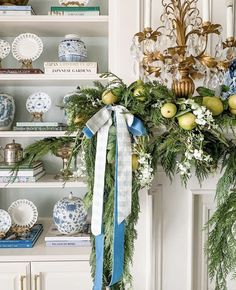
232 102
108 98
213 104
135 163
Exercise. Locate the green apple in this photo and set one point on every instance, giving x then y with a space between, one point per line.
213 104
135 163
108 98
187 121
168 110
232 102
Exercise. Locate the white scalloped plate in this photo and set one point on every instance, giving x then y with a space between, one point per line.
38 103
5 48
5 221
27 46
23 213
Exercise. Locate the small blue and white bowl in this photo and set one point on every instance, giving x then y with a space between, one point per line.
72 48
70 215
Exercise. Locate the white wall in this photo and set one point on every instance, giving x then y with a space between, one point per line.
177 240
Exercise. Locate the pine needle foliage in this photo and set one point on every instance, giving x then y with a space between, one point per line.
221 244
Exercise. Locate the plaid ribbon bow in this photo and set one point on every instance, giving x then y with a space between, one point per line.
100 123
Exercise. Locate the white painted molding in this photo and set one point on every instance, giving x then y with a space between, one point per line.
156 249
192 194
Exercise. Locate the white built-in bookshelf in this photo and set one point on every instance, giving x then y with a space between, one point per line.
94 31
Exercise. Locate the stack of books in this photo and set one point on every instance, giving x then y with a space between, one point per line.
54 238
25 241
13 10
75 10
26 173
40 126
71 68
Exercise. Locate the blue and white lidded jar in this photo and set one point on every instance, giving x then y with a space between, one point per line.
7 111
72 48
70 215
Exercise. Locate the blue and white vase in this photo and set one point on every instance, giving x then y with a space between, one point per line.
70 215
72 48
7 111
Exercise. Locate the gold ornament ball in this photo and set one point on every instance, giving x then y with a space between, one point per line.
135 163
232 102
108 98
187 121
168 110
213 104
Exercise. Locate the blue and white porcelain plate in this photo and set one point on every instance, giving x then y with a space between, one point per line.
5 48
38 103
5 221
70 215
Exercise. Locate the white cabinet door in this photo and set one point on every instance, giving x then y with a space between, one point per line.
60 276
14 276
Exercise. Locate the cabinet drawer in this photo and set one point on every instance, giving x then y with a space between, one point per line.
60 276
14 276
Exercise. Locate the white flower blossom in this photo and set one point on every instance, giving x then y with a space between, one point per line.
145 171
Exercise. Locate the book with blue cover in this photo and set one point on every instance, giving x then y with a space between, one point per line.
25 241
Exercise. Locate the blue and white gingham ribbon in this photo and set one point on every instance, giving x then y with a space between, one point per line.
100 123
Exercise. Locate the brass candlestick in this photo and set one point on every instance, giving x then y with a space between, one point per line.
179 47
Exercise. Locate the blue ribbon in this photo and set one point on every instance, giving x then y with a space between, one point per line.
136 129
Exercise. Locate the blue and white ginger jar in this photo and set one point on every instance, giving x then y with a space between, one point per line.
7 111
70 215
72 48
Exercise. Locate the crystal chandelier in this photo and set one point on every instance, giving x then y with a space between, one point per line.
179 48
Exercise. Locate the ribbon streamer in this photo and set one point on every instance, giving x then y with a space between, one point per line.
125 124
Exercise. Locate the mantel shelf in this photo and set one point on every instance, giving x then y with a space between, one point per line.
47 181
56 26
48 80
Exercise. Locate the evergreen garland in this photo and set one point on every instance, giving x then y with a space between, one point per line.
202 148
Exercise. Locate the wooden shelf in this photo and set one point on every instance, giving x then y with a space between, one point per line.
47 181
55 26
48 80
34 134
42 253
